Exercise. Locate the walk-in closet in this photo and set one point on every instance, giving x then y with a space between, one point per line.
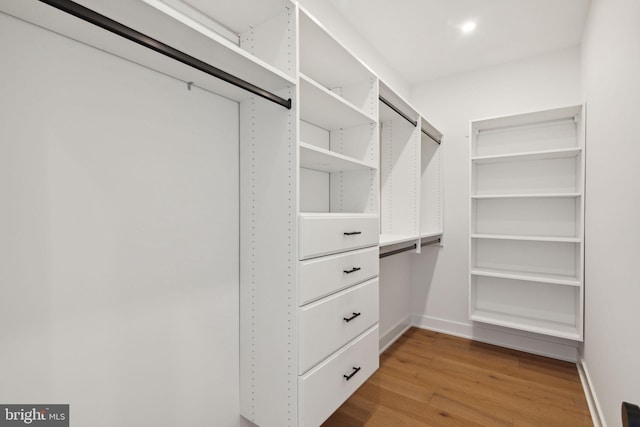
319 213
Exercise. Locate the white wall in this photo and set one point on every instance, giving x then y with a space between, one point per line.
395 296
119 238
440 298
611 82
338 26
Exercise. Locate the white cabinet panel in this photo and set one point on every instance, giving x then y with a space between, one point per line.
328 324
332 233
326 387
319 277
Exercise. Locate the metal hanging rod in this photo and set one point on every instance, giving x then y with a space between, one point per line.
397 110
433 138
409 248
398 251
431 242
128 33
407 118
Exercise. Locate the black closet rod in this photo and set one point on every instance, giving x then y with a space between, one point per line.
398 251
407 118
433 138
397 110
408 248
128 33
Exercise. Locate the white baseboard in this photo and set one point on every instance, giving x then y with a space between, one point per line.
589 393
549 347
396 332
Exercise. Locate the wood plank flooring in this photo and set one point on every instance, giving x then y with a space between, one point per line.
432 379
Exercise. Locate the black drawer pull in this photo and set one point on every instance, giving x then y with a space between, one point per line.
352 317
353 270
352 233
355 371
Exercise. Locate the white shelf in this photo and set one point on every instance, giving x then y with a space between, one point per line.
531 155
528 196
527 119
312 157
539 326
337 215
190 39
393 239
324 108
325 59
527 238
531 277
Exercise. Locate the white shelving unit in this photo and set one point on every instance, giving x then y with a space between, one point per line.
332 66
410 174
526 224
335 314
338 126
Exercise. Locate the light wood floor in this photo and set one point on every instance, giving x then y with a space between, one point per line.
432 379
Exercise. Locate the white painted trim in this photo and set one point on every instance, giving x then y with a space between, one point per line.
548 347
394 333
590 394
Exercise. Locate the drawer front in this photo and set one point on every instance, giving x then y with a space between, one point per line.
323 235
323 389
323 276
328 324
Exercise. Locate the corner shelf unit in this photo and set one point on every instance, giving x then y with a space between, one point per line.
410 174
527 222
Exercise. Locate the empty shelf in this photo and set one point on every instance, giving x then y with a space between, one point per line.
312 157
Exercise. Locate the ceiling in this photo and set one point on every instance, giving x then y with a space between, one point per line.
421 39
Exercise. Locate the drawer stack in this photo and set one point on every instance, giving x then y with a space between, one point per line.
337 310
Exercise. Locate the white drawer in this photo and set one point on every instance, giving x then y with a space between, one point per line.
323 234
328 324
319 277
325 388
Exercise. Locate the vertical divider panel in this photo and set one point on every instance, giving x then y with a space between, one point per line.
431 186
399 169
273 40
268 260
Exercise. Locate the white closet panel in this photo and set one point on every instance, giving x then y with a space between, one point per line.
113 230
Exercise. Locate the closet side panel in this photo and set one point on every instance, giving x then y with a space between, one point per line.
119 247
268 262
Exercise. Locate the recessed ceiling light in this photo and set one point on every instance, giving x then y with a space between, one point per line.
468 26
